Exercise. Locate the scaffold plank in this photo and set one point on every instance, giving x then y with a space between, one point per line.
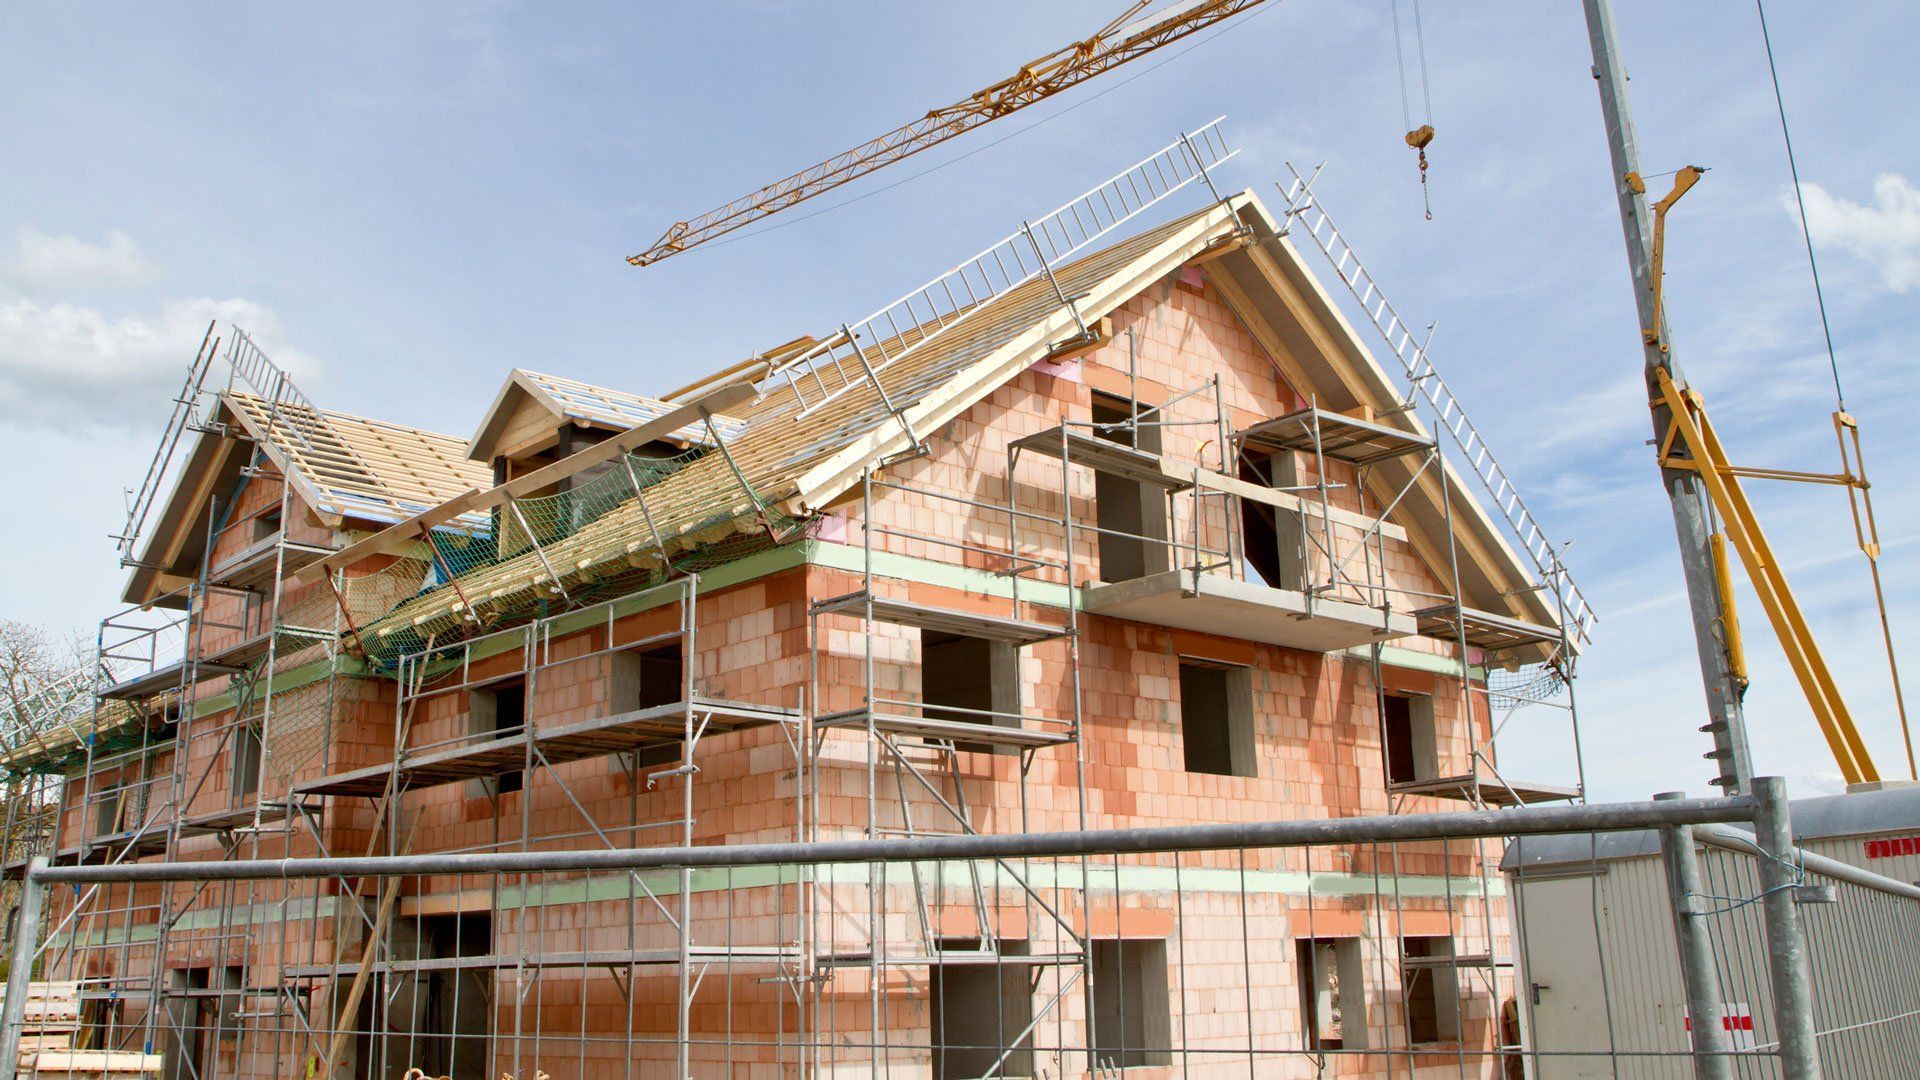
959 731
943 619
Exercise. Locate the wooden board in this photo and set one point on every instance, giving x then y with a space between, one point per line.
94 1063
51 1006
600 735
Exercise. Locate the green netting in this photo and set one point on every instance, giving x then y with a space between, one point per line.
442 591
385 641
547 519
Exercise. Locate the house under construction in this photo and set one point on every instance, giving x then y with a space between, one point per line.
1111 525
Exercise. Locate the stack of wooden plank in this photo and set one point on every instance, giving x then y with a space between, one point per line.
48 1033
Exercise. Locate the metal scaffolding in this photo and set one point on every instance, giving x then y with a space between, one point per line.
140 793
332 731
927 747
655 716
1810 1016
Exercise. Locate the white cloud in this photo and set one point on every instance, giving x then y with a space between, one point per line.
1885 234
45 261
67 365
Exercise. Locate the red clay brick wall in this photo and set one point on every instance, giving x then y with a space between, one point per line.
1317 748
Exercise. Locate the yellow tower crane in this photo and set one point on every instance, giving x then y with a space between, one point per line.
1109 47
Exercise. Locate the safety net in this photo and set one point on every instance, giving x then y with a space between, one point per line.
599 537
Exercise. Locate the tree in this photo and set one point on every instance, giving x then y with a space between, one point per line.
45 680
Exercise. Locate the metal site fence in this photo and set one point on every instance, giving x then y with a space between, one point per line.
1376 946
1862 990
1788 961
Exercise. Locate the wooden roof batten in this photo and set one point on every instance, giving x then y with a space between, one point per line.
348 466
341 467
803 462
404 533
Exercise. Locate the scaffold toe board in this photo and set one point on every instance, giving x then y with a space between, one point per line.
227 820
611 734
1461 960
1483 629
255 565
1486 790
246 651
125 844
562 960
953 959
168 677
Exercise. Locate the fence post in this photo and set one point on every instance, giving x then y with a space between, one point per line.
1705 1025
1786 943
26 940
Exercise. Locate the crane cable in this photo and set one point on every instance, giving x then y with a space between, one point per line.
1859 498
1417 137
1799 201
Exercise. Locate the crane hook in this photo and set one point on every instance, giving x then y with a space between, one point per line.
1419 138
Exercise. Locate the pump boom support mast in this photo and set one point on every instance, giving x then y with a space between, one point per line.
1692 445
1726 720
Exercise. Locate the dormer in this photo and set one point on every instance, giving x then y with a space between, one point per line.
538 419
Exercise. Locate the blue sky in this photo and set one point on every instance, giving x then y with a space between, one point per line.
403 202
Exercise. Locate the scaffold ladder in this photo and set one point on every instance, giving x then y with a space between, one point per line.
251 366
1304 208
186 409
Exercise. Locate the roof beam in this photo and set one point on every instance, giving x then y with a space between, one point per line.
410 531
292 472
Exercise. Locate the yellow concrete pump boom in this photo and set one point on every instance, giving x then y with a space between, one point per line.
1111 46
1691 444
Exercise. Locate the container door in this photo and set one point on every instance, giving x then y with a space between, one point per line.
1560 980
